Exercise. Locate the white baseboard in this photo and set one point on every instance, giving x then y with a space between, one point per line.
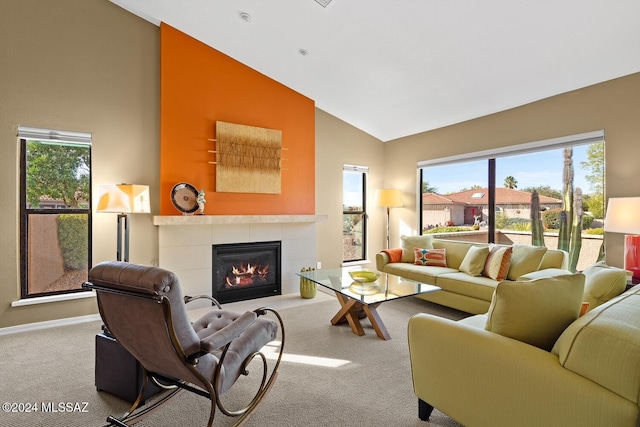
48 324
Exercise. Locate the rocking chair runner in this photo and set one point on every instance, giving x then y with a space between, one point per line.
144 309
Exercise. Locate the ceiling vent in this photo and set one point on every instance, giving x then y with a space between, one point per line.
324 3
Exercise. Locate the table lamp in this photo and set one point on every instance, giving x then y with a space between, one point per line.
623 216
388 198
123 199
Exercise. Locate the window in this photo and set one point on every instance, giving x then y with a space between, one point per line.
354 213
487 196
55 211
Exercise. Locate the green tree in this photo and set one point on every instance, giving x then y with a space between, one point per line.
59 171
544 190
510 182
473 187
426 188
594 204
594 165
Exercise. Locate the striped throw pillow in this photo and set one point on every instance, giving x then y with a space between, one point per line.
498 261
432 257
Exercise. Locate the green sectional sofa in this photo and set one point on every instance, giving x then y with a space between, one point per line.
463 281
493 370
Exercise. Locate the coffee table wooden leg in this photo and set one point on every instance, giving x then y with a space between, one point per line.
349 312
376 321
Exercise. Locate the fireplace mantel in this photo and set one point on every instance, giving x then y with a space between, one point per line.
235 219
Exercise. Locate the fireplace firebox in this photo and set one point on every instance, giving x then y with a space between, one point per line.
243 271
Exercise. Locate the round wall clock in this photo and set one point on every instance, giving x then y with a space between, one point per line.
184 197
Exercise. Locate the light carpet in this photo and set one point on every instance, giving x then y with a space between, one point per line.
329 376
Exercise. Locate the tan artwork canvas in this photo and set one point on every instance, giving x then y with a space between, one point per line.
248 159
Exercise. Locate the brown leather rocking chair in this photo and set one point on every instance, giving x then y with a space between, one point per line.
145 311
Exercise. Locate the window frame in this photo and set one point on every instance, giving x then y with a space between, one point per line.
491 156
26 134
364 171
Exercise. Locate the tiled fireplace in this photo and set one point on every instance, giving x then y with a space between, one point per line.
185 244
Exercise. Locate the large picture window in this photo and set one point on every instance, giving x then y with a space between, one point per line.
55 211
489 196
354 213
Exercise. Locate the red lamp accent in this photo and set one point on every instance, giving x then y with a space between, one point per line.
623 216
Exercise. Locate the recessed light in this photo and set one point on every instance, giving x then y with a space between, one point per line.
303 52
245 17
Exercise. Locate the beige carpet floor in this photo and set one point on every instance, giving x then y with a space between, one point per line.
329 376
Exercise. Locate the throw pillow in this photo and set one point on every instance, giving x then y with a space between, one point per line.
497 264
432 257
525 259
409 243
536 311
602 283
474 260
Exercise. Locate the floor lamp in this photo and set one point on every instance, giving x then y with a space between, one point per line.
622 217
389 198
123 199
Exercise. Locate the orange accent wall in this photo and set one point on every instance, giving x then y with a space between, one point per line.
199 86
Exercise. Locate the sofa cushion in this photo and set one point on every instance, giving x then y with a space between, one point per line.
473 262
456 250
602 283
419 273
472 286
604 345
432 257
411 242
536 311
525 259
555 258
497 264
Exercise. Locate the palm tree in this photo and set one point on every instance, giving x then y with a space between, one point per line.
426 188
510 182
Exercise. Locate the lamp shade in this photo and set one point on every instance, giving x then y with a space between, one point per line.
623 215
389 198
123 198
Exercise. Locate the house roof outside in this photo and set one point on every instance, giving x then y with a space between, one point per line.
480 196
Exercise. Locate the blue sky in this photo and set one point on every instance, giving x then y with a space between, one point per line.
529 170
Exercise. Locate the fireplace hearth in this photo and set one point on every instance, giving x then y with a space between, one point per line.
243 271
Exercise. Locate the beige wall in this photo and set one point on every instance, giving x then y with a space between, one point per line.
613 106
337 144
88 66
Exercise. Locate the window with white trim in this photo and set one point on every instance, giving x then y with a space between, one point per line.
55 211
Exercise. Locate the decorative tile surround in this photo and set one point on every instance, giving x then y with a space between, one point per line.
185 244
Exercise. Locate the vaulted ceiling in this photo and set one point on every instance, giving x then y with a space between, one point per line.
394 68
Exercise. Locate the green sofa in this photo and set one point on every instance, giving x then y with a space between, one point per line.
585 374
470 293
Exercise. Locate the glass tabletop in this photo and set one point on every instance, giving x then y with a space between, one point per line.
386 287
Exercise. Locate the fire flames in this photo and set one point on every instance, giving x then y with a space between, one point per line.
247 275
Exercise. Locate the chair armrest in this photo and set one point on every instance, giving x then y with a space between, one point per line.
224 336
481 378
188 299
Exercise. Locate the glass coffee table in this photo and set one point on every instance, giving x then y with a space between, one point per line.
360 300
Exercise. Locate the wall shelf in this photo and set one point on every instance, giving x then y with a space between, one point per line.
235 219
